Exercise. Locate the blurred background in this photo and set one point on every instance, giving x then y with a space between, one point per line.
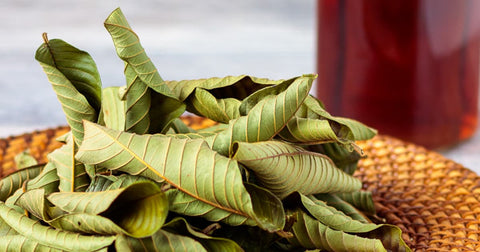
184 38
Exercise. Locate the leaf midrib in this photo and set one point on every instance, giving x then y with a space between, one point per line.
172 183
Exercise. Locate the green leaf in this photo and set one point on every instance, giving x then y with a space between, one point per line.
184 204
5 229
214 128
47 180
34 202
203 103
312 124
18 242
142 76
389 235
63 138
361 200
113 108
181 227
162 241
10 183
24 159
315 131
125 180
311 234
272 90
111 182
48 236
359 130
334 218
188 165
72 174
75 80
163 112
238 87
343 126
180 127
137 103
284 168
266 206
343 206
92 224
91 212
265 119
343 158
251 239
76 65
101 183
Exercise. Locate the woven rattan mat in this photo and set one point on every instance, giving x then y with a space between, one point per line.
435 201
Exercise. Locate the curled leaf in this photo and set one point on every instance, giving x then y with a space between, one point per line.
265 119
49 236
110 212
142 78
190 166
237 87
161 241
10 183
312 234
181 227
202 102
75 79
285 168
113 108
72 174
361 200
24 159
15 242
343 158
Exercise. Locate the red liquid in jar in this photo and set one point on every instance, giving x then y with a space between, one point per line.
409 68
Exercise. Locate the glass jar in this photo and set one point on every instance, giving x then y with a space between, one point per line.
409 68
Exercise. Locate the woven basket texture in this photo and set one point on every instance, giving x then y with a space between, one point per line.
435 201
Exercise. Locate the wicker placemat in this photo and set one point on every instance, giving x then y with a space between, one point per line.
435 201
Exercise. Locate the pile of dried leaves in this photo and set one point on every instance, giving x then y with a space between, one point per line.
275 173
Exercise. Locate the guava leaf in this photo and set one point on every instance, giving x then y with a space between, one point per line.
238 87
142 77
344 126
34 202
15 242
10 183
284 168
334 218
72 174
265 119
5 229
113 108
180 226
48 236
343 206
187 165
24 159
162 241
75 79
203 103
110 212
312 234
343 158
389 235
179 127
361 200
